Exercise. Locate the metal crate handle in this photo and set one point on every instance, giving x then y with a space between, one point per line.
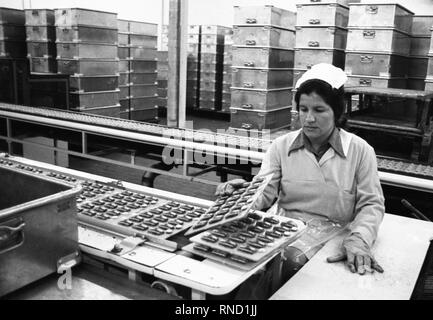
250 42
249 64
35 28
247 106
313 43
314 21
65 30
251 20
35 12
246 126
6 235
366 59
365 82
248 85
371 9
66 46
369 34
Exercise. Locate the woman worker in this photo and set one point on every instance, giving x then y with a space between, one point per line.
324 176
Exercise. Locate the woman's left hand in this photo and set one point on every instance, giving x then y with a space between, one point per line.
357 254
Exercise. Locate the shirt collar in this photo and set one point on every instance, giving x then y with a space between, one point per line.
334 141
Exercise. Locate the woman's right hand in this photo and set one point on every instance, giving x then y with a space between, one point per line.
227 188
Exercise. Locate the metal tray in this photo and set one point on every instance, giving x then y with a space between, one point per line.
143 28
143 66
43 65
142 53
264 15
87 100
321 37
75 50
93 83
88 67
373 64
143 90
33 211
375 82
86 34
41 49
87 17
262 57
39 17
307 57
322 14
261 78
263 36
380 15
143 78
259 119
378 40
41 33
263 100
143 103
144 41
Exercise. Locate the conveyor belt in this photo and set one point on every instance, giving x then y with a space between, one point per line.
219 139
405 168
114 208
396 166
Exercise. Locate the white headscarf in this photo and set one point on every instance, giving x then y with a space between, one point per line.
336 77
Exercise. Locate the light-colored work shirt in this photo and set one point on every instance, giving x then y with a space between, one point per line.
342 187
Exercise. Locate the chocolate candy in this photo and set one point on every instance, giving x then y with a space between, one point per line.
271 220
247 249
200 247
210 238
228 244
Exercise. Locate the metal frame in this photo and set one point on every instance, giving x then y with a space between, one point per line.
87 131
253 157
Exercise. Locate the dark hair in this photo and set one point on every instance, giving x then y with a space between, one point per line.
333 97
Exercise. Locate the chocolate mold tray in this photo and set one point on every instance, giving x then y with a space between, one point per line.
233 207
251 238
111 206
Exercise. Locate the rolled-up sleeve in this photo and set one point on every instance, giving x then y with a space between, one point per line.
370 203
270 164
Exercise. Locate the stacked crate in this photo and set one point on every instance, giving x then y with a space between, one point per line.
87 51
227 73
162 79
429 77
13 51
124 76
193 67
378 45
321 35
262 72
142 45
41 40
419 49
211 66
